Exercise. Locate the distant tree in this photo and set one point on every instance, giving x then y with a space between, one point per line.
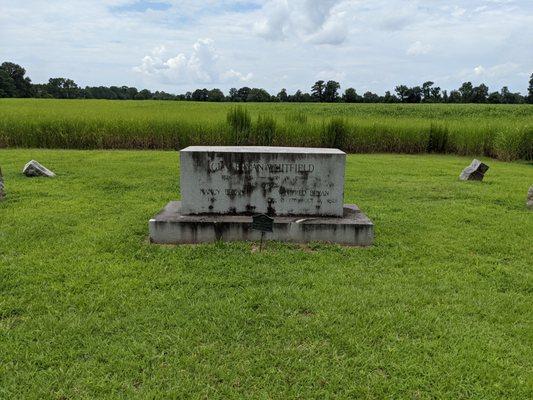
331 91
466 91
370 97
242 93
426 90
351 96
480 94
413 95
162 95
215 95
435 94
307 98
144 94
282 95
317 91
258 95
7 85
200 95
63 88
390 98
455 97
507 97
494 98
445 96
403 92
131 92
22 83
233 94
530 90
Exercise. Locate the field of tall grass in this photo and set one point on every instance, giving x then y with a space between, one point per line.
500 131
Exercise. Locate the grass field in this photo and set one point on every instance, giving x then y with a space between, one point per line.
439 308
501 131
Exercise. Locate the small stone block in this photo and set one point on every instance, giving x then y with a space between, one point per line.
171 226
34 168
529 203
474 172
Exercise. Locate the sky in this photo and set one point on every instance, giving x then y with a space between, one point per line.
181 45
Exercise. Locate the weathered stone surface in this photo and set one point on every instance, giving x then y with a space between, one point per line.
276 181
2 187
171 226
33 168
530 198
474 172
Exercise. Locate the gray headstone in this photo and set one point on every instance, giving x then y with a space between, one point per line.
33 168
474 172
530 198
272 180
2 187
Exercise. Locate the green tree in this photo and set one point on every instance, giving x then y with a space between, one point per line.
17 73
508 97
7 85
144 94
63 88
317 91
350 96
426 90
243 93
282 95
215 95
455 97
200 95
370 97
233 94
435 94
403 92
494 98
297 97
258 95
331 91
466 91
480 94
389 98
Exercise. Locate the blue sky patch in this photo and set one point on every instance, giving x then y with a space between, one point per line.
142 6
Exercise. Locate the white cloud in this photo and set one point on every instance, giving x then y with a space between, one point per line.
418 48
315 21
235 76
331 74
497 71
200 67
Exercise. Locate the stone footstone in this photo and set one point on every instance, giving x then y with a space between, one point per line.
34 168
171 226
529 203
474 172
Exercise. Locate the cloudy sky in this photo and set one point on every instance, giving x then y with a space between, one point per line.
178 45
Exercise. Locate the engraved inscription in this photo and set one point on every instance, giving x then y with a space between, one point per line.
274 184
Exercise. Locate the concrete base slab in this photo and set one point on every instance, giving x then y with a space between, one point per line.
170 226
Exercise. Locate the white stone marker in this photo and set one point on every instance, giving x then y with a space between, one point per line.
279 181
301 188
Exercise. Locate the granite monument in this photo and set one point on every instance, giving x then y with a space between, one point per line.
223 187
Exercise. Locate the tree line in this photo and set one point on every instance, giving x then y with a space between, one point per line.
15 83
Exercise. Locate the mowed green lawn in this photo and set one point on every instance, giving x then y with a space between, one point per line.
440 307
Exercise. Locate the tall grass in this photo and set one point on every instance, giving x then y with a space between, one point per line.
502 131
